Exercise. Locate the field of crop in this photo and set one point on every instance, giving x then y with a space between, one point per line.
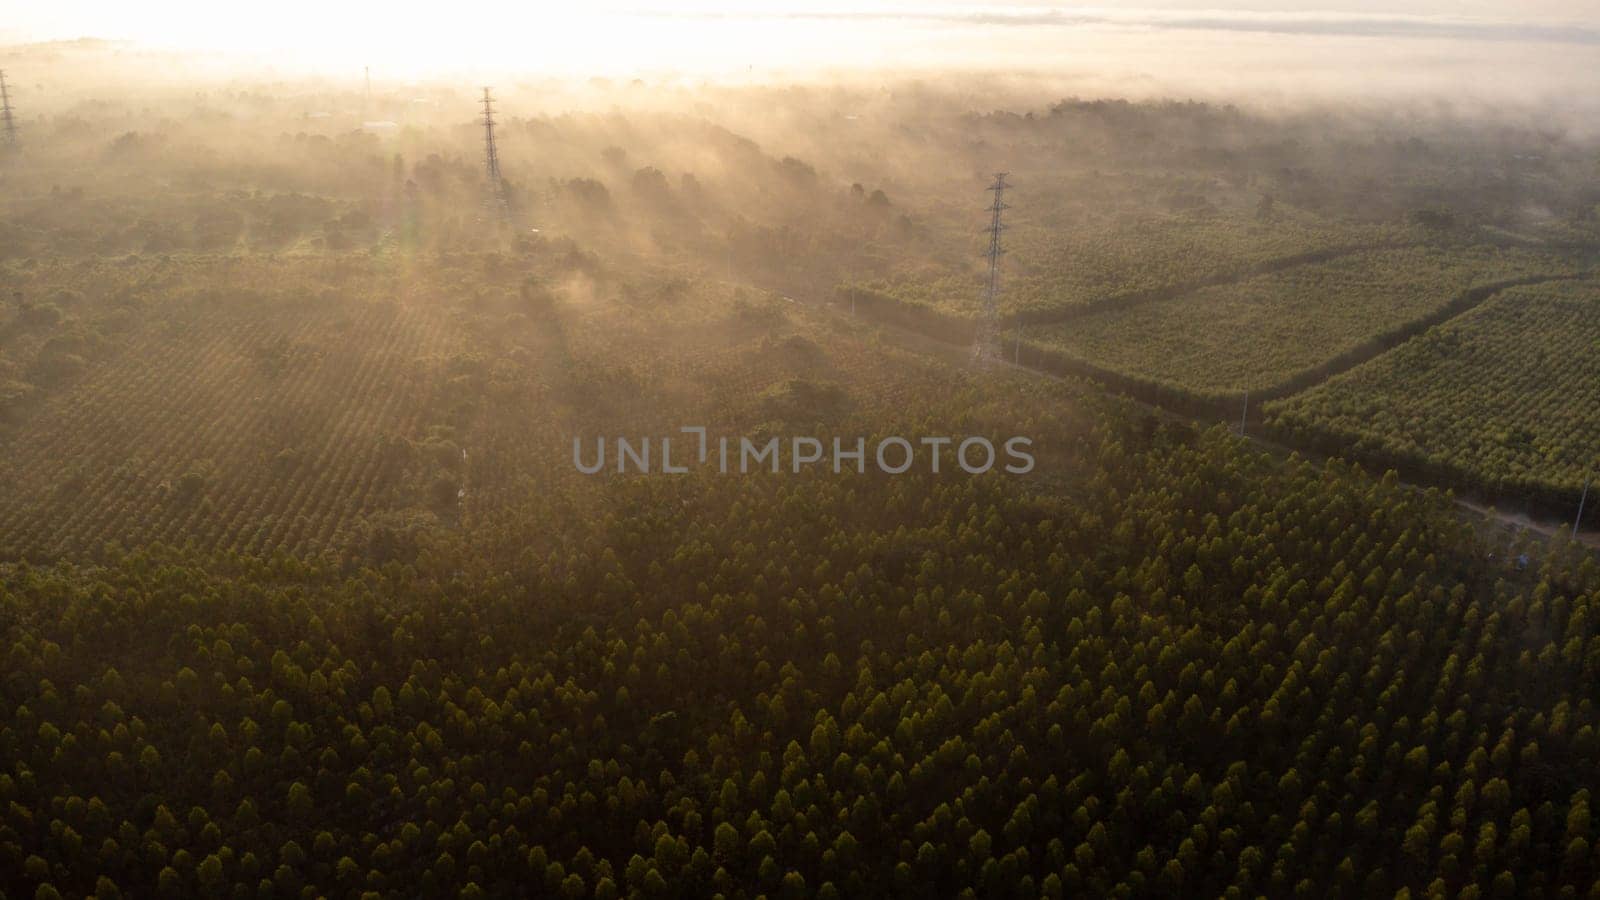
1259 333
1064 267
343 404
1507 397
258 419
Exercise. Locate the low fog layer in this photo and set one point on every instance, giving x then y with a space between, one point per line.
1540 55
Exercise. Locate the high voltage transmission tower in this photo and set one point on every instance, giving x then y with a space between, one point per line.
6 120
496 198
986 348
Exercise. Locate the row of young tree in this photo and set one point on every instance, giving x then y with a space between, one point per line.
1261 333
1060 270
1501 401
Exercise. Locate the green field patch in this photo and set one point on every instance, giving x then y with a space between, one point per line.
1506 397
1263 332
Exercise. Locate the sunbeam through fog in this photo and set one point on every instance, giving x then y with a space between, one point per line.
642 450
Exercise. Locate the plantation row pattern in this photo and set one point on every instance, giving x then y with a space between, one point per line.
1505 398
1258 334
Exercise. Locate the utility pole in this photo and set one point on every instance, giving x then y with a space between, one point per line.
1244 416
366 102
6 120
1581 498
496 198
986 348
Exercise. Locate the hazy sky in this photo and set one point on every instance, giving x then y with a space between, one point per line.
1523 50
253 24
1581 10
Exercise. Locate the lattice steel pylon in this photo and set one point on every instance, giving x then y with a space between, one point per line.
7 123
986 348
495 197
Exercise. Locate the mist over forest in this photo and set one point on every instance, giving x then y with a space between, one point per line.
307 590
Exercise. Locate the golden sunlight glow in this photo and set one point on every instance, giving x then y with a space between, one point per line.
1126 48
555 38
